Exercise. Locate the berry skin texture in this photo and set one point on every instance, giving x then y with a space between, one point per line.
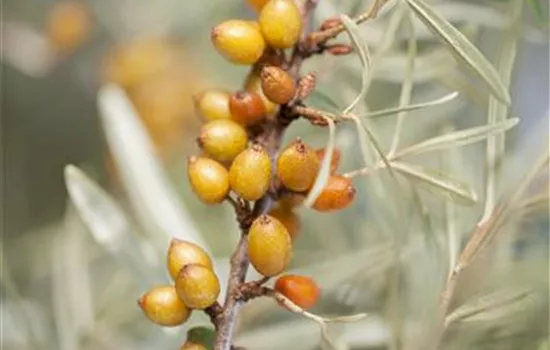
181 253
223 139
250 173
163 306
288 218
269 246
301 290
277 85
246 107
335 161
281 23
209 179
338 194
238 41
253 83
297 167
212 104
197 286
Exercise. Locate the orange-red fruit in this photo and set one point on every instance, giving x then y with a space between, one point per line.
297 167
301 290
213 104
257 4
288 218
334 162
246 107
238 41
277 85
253 83
223 139
250 173
209 179
163 306
197 286
69 25
181 253
269 246
281 23
338 194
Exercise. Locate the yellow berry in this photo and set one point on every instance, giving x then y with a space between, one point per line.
192 346
197 286
334 162
69 25
238 41
250 173
297 167
181 253
209 179
223 139
246 107
269 246
163 306
277 85
288 218
257 4
338 193
213 104
253 83
281 23
301 290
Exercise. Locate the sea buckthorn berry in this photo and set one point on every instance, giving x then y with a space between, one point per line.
209 179
288 218
163 306
197 286
69 25
301 290
257 4
250 173
193 346
246 107
269 246
334 162
253 83
277 85
238 41
213 104
281 23
223 139
181 253
338 193
297 167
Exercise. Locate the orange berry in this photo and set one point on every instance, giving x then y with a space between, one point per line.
253 83
297 167
69 24
246 107
269 246
193 346
209 179
163 306
213 104
288 218
181 253
257 4
238 41
281 23
277 85
197 286
301 290
223 139
338 194
250 173
335 161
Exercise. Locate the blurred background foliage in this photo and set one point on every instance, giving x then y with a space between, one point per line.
70 281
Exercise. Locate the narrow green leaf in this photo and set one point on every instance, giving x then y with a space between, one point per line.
461 48
443 185
324 172
459 138
409 108
364 55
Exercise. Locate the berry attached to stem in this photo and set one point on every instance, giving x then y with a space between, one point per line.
269 246
250 173
281 23
338 194
209 179
277 85
247 107
181 253
297 167
197 286
213 104
223 139
238 41
301 290
163 306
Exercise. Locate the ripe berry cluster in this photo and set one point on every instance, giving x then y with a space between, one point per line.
240 162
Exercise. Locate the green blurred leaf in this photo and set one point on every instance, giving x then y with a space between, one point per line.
461 48
202 335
